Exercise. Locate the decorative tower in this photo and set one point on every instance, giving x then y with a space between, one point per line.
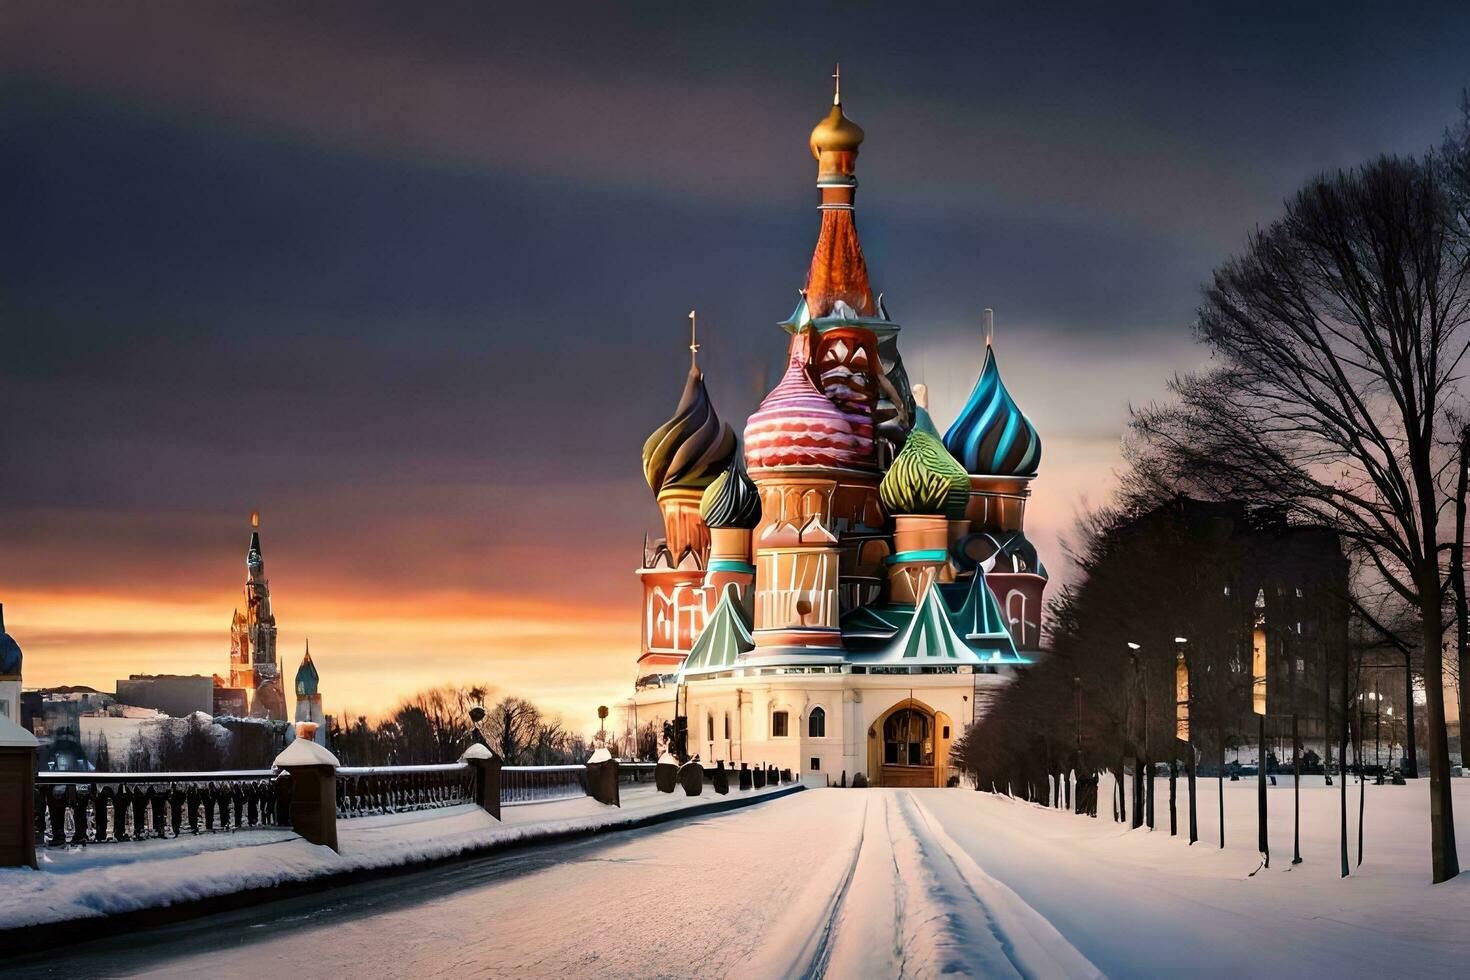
731 508
10 664
926 491
309 697
680 459
253 664
1000 450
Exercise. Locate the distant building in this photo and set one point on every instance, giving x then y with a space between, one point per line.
254 669
309 696
176 695
231 702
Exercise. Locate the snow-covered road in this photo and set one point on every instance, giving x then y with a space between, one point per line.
874 883
826 882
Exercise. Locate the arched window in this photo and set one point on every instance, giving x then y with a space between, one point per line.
816 724
727 724
907 739
709 726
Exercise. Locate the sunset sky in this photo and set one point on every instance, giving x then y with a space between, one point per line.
412 280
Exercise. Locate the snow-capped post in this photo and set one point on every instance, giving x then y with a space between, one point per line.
313 772
17 795
691 778
481 758
602 778
666 773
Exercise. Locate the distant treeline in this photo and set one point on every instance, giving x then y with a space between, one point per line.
434 726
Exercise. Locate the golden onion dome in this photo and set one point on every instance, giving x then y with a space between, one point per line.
836 133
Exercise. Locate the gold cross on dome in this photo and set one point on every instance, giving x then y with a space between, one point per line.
837 85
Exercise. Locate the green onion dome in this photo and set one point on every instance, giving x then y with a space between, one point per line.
732 501
924 477
689 450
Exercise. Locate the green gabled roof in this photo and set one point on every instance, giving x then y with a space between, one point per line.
724 637
980 622
876 622
929 638
936 634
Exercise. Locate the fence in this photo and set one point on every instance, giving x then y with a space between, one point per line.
78 808
81 808
362 791
538 784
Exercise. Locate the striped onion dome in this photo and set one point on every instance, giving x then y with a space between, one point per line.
732 501
797 425
924 478
991 437
689 450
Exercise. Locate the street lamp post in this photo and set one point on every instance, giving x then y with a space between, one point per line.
1077 765
1143 792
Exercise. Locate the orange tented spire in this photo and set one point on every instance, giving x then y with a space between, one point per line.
838 272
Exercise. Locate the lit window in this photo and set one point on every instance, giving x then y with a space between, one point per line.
778 724
816 725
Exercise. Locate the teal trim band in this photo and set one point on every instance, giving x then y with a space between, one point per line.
731 565
904 557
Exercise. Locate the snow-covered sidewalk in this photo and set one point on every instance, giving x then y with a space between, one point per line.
107 879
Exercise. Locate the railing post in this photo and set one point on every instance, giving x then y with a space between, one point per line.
17 796
602 778
313 772
691 777
487 776
666 773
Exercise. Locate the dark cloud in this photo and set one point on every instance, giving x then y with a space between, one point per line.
413 280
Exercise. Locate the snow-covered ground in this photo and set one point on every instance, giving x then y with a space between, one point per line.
80 882
876 883
1139 904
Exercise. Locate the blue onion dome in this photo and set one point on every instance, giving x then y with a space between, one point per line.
924 478
689 450
991 437
9 650
732 501
307 678
10 656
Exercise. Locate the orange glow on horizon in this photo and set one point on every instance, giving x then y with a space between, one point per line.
568 659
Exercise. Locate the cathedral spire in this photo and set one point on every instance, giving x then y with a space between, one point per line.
838 272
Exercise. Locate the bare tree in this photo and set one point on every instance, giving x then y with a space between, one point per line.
1337 338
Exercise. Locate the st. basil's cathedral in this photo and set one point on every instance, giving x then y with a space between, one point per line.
846 592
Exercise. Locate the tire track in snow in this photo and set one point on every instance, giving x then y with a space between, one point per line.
822 953
913 904
1031 944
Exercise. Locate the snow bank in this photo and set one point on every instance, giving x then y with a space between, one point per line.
105 879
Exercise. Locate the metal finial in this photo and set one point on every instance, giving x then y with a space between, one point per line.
988 319
693 337
255 518
837 84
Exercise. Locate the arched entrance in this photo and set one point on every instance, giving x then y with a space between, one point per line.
909 746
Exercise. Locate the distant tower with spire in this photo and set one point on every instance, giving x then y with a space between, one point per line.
309 696
254 668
